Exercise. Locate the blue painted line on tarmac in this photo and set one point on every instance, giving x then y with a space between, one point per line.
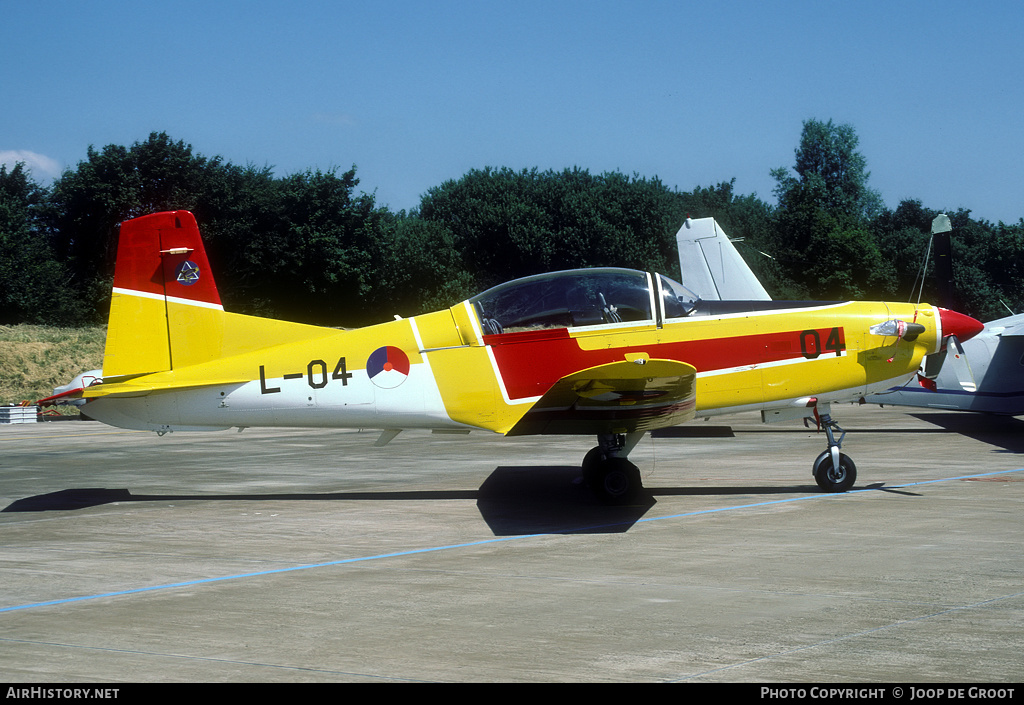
829 496
470 544
259 573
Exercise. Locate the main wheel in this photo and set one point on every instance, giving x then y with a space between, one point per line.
616 481
831 478
591 461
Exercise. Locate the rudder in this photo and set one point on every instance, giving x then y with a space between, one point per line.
165 310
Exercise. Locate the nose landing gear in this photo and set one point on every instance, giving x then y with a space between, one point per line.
833 471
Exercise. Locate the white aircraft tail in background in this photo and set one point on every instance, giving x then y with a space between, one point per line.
711 267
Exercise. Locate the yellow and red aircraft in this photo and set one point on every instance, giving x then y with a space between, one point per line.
607 352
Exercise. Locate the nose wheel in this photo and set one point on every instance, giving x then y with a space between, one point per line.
832 476
833 471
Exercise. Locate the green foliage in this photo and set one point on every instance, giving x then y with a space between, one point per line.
821 225
510 224
86 205
33 277
309 247
418 269
299 247
988 266
988 260
830 174
902 236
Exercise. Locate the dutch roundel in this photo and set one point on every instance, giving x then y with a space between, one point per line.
387 367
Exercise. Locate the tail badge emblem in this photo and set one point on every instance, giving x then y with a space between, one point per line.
188 273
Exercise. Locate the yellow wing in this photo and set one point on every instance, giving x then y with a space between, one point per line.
617 397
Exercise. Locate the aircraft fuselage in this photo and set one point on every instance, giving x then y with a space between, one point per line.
440 371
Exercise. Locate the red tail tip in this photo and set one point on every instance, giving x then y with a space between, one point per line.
162 254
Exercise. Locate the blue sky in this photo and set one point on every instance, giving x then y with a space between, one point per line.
416 93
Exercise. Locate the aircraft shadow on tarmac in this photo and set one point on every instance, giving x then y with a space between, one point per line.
512 500
551 500
1005 432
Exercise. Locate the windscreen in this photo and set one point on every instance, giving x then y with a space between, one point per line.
677 301
579 297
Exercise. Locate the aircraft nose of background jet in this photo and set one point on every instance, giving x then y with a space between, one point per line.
963 327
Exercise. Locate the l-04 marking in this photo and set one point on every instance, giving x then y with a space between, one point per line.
315 374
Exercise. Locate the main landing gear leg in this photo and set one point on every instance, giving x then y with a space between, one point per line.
833 471
608 471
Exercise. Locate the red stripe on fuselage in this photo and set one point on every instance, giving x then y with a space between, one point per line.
531 362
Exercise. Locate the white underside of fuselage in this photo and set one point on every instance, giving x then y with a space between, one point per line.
839 396
400 402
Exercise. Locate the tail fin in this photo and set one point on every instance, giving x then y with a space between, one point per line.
166 314
165 311
710 265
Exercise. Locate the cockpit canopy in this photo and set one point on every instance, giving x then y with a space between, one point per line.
581 297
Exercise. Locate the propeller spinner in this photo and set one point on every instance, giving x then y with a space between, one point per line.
959 325
956 328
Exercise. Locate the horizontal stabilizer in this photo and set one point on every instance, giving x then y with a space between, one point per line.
71 393
127 387
617 397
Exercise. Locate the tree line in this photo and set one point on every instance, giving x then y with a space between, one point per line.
309 247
